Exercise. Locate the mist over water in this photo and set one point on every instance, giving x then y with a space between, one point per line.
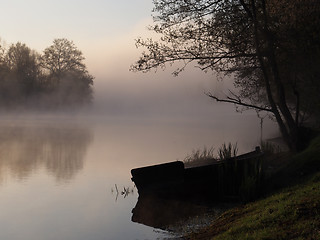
59 169
57 172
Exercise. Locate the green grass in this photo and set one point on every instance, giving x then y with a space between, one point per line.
290 213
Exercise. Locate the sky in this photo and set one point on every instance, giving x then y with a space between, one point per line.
105 31
38 22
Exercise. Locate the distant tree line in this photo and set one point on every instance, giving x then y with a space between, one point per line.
54 79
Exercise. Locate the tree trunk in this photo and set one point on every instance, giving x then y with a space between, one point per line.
269 67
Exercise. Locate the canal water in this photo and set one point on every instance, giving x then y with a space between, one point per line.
69 177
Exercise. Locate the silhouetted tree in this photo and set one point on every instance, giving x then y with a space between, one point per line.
19 74
58 78
67 74
62 56
271 48
74 89
24 67
3 73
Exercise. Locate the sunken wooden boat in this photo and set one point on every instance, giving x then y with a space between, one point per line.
237 177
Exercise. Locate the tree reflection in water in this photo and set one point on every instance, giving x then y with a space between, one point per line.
59 149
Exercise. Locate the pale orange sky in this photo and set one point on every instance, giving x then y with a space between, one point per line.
104 31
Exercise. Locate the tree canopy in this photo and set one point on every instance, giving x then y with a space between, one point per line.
57 78
271 48
62 56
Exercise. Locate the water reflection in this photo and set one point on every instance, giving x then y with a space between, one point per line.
123 192
161 213
59 150
177 217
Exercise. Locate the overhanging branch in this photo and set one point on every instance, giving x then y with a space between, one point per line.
237 101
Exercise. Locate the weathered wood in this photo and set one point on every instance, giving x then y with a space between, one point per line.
152 177
231 178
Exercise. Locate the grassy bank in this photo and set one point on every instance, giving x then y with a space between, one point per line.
291 210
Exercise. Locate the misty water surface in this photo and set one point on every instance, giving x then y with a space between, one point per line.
58 174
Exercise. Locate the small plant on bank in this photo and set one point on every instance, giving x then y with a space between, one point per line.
207 156
199 157
227 151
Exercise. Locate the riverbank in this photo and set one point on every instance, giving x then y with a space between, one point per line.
289 210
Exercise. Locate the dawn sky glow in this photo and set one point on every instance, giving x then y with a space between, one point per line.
105 31
38 22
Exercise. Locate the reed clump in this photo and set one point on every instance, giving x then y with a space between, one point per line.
227 151
207 155
200 157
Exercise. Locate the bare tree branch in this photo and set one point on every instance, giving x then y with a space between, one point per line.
236 100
